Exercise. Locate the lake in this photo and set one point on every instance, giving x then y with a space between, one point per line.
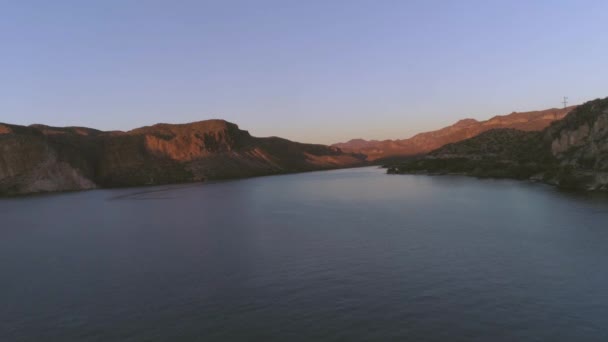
345 255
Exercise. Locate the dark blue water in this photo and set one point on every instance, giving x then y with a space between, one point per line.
348 255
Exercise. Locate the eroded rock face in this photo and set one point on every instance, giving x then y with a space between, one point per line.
569 139
30 164
52 175
584 135
197 140
581 143
40 158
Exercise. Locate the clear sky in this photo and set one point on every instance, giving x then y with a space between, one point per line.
313 71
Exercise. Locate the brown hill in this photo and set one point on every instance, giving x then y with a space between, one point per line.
463 129
41 158
571 152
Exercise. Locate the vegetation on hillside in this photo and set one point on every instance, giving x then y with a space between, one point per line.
510 153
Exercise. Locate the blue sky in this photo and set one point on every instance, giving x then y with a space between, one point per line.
312 71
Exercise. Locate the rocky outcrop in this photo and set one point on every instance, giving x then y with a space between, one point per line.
580 144
570 139
463 129
40 158
29 163
571 152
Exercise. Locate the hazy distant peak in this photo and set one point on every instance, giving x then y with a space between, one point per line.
465 122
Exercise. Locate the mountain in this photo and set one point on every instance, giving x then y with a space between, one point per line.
463 129
40 158
571 152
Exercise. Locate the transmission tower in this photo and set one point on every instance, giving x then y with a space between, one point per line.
565 102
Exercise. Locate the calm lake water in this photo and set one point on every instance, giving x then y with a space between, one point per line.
347 255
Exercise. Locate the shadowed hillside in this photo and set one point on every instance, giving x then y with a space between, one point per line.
40 158
571 152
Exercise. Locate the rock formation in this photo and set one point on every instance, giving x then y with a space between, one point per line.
40 158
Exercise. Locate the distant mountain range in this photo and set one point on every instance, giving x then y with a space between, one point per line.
571 152
40 158
425 142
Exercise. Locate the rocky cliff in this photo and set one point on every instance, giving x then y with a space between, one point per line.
580 143
571 152
463 129
40 158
